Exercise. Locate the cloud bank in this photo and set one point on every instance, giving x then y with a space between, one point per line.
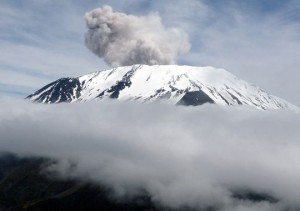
196 157
122 39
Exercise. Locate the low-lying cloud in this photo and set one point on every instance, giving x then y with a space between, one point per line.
122 39
194 157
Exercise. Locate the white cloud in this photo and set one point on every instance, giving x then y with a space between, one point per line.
47 61
182 156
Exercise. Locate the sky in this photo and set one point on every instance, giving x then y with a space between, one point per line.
257 40
198 157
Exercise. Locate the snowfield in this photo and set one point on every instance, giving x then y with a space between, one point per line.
170 83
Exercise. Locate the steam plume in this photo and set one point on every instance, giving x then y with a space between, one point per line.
122 39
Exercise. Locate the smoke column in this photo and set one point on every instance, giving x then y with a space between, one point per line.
122 39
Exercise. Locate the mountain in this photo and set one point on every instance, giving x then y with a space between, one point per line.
185 85
24 185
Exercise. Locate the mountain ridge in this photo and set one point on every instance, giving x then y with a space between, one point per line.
174 84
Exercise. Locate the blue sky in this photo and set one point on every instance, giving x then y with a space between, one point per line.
257 40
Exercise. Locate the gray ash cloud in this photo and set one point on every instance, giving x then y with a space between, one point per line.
122 39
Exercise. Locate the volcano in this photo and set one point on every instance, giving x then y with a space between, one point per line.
183 85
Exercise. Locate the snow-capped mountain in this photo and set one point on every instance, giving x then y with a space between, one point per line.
175 84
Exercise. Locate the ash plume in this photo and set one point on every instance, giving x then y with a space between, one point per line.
122 39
